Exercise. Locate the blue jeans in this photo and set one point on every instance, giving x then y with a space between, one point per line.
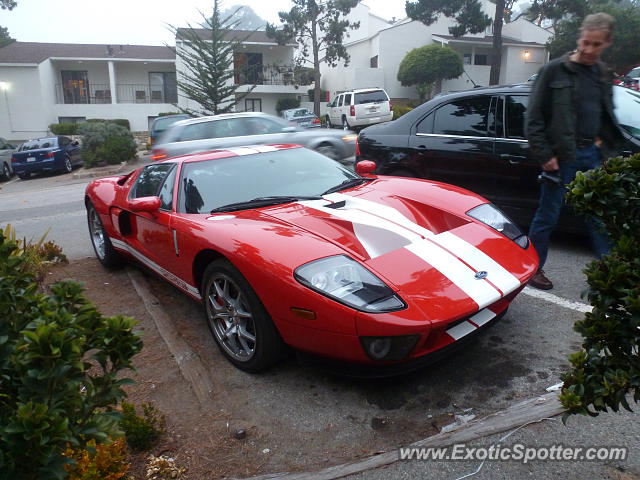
551 201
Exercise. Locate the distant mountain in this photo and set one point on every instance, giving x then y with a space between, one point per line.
247 18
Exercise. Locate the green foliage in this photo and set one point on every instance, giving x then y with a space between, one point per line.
8 4
106 461
123 122
318 28
36 256
607 368
164 114
245 17
623 55
60 370
286 103
64 128
424 66
105 142
141 432
5 37
468 14
400 110
208 64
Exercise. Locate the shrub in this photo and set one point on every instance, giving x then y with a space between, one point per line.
399 110
141 432
60 369
286 103
164 114
36 256
106 142
606 369
64 128
98 462
123 122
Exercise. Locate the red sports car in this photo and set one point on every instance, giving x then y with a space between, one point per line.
284 246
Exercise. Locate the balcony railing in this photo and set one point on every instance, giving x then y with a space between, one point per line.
270 75
126 93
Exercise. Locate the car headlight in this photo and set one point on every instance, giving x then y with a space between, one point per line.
491 216
346 281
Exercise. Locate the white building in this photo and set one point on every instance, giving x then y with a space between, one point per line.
376 50
45 83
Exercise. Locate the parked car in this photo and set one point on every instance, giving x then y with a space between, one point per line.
476 140
160 124
532 78
301 117
6 150
359 108
632 78
284 246
236 129
46 154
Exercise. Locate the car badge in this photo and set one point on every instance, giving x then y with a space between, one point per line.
481 275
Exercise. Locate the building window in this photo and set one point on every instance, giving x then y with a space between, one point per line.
163 87
71 119
466 59
75 86
374 62
253 105
481 59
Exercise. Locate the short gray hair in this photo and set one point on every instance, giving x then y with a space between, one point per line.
598 21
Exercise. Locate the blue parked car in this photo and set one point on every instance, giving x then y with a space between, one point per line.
46 154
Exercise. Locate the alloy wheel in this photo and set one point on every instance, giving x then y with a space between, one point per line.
67 165
97 233
6 173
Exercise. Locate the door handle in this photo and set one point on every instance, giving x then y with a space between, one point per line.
421 147
512 158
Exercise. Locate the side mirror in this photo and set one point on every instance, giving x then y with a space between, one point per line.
144 204
75 143
365 167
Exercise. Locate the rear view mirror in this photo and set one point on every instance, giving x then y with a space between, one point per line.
144 204
365 167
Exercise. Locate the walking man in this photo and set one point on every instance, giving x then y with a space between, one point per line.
570 128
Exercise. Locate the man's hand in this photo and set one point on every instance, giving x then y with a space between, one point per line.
551 165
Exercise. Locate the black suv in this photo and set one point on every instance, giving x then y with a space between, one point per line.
476 140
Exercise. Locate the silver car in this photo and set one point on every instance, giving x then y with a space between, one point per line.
6 150
248 128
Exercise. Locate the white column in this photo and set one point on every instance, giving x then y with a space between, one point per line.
112 82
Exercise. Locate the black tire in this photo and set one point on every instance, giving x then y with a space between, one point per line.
24 176
67 167
345 124
6 172
328 150
231 330
102 246
329 124
402 172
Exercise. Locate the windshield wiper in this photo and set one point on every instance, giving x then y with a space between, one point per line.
264 202
351 182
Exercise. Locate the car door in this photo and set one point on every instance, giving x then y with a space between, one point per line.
454 143
6 150
515 169
336 110
152 234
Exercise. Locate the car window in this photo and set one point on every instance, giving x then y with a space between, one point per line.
38 144
425 125
162 123
303 112
514 115
259 126
634 73
64 141
374 96
347 99
468 117
627 109
202 130
166 191
340 99
150 180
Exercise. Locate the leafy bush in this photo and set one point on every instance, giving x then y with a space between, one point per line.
60 370
123 122
98 462
606 369
36 256
141 432
164 114
106 142
399 110
286 103
64 128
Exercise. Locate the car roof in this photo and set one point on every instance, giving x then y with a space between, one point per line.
494 90
222 116
360 90
231 152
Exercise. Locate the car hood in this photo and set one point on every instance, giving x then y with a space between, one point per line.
431 254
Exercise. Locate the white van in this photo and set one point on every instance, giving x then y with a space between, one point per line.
359 108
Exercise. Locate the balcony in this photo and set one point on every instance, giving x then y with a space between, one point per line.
96 93
271 75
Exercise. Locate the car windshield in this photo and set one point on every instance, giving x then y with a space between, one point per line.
374 96
303 112
296 172
162 124
38 144
627 109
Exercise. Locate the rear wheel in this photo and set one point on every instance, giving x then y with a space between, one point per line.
67 167
101 242
329 125
345 124
237 319
328 150
6 172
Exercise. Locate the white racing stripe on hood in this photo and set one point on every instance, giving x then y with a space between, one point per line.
381 229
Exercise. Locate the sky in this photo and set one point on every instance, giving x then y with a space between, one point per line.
133 22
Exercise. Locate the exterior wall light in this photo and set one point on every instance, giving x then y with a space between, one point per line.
526 54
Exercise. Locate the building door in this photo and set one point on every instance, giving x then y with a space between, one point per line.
75 86
163 87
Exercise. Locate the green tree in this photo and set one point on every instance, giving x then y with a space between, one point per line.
245 16
319 25
469 18
5 38
208 64
429 65
622 55
7 4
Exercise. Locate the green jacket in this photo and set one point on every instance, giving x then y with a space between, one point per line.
551 114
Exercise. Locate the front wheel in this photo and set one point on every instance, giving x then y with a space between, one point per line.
237 319
345 124
329 125
328 151
101 242
6 172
